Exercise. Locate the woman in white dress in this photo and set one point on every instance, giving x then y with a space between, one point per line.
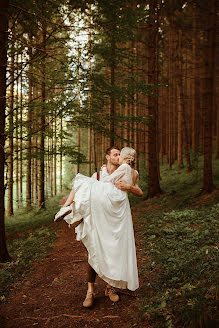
106 229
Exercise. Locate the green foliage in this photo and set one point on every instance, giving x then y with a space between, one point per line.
31 218
179 242
182 258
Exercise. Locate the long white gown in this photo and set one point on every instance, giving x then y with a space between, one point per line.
106 229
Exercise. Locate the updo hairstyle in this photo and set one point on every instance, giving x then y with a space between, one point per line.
128 154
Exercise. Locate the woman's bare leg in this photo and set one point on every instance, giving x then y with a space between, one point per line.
70 198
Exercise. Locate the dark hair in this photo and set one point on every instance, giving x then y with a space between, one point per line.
108 151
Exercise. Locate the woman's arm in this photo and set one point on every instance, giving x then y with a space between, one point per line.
134 189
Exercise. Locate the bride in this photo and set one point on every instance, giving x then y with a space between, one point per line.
106 229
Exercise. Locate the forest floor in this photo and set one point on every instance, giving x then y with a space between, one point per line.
53 294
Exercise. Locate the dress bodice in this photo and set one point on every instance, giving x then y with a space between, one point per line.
124 172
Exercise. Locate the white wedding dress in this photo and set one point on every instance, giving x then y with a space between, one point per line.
106 229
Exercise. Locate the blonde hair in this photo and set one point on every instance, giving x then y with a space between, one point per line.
128 154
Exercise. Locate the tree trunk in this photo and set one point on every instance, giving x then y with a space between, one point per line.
89 101
10 210
4 256
112 98
153 177
41 197
29 128
194 69
55 164
35 145
217 136
21 134
79 147
60 183
17 135
208 95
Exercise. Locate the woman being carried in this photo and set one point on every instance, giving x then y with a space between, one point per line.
106 229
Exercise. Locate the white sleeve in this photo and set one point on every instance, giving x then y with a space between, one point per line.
94 175
104 174
117 174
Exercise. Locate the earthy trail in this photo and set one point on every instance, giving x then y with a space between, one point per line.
53 295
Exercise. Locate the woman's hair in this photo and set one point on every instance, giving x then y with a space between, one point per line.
128 154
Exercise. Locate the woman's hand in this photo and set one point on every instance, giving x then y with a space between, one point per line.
122 185
135 190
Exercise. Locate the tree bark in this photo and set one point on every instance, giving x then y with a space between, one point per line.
208 100
17 135
60 183
153 177
41 196
10 210
29 127
21 134
112 98
4 256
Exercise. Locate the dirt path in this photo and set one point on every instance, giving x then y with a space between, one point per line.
53 295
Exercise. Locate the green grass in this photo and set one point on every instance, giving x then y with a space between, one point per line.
179 241
32 218
30 237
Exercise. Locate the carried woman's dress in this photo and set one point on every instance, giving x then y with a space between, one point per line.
106 229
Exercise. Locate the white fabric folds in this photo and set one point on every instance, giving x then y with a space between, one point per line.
106 229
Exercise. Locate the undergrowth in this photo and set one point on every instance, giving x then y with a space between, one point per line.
178 238
30 236
182 252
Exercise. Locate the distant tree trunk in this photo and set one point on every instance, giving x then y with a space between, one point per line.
21 133
4 256
10 210
51 161
17 136
35 144
79 147
185 121
153 177
217 137
112 97
94 152
179 103
60 184
194 66
41 196
180 129
55 164
208 95
89 100
170 88
89 151
29 128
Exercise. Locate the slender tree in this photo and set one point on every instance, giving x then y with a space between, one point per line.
4 256
29 127
41 196
10 209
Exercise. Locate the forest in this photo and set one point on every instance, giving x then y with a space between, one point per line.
77 77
